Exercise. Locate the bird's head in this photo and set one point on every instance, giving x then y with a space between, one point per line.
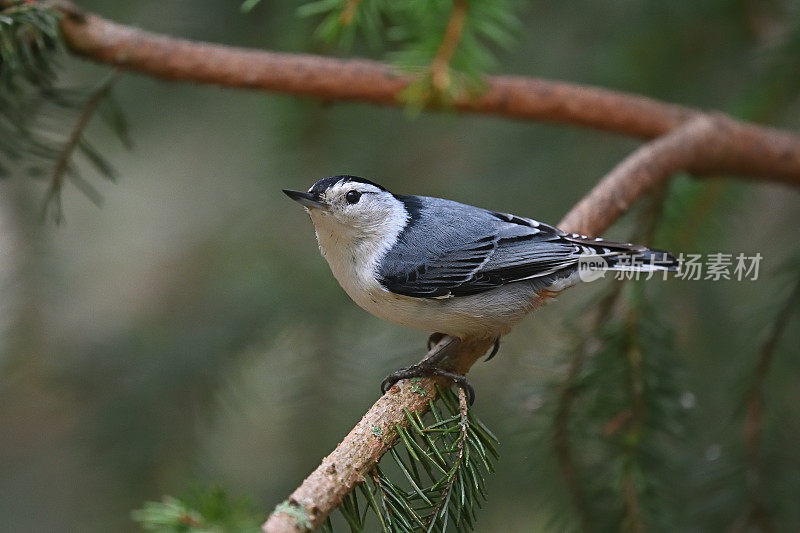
349 207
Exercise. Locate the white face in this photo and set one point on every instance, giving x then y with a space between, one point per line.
358 210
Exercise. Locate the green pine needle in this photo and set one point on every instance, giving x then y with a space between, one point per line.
29 46
414 32
441 481
204 511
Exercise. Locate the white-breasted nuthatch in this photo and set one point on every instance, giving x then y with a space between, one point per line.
447 267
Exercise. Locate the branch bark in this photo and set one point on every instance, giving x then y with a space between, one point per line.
705 144
358 453
685 140
357 80
766 152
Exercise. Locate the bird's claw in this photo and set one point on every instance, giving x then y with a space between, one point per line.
412 371
460 380
495 349
421 370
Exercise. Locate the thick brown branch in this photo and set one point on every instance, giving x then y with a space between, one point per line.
705 144
765 152
357 79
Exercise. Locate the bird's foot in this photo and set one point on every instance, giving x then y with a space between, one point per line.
426 370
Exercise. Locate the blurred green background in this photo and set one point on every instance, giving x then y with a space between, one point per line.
188 332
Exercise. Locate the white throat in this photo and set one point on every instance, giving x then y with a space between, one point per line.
354 253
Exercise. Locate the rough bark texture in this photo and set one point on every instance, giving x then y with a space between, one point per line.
764 152
357 79
706 144
685 140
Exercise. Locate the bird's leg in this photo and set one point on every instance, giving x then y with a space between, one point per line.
434 339
495 349
429 367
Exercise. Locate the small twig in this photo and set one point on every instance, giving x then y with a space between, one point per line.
348 12
757 514
567 394
635 422
441 507
376 481
440 66
74 139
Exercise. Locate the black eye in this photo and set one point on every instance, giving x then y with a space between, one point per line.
352 197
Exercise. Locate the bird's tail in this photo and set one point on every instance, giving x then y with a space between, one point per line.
645 260
600 255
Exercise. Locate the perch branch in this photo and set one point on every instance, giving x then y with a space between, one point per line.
359 452
706 144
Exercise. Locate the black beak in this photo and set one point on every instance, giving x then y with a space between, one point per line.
304 198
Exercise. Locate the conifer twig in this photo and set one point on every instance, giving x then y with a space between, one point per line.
756 513
440 66
567 391
441 507
74 139
635 422
566 397
348 12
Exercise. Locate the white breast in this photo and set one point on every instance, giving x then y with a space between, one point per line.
353 258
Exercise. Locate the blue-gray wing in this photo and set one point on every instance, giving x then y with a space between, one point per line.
452 249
